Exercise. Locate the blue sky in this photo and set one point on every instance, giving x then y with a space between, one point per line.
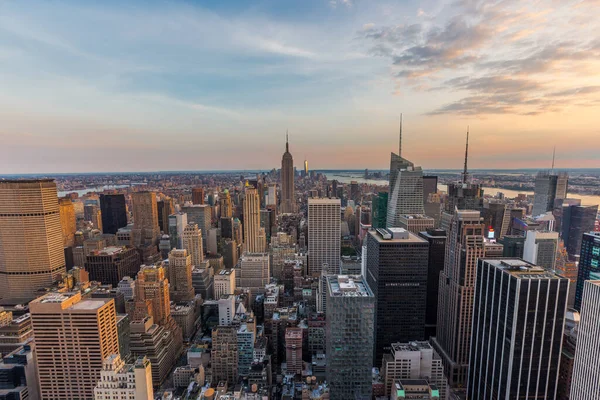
166 85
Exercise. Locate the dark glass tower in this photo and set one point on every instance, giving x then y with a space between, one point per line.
518 321
380 203
114 212
397 269
589 264
437 253
577 220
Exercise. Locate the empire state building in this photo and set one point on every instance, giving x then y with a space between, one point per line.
288 201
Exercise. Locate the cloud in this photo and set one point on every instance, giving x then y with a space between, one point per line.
335 3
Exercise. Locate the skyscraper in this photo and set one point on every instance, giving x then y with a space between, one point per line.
437 254
198 195
225 353
379 207
180 276
576 221
120 381
548 187
177 224
192 242
589 264
31 239
253 242
288 199
73 337
586 376
324 236
114 212
67 221
254 272
516 342
540 248
145 219
397 263
464 245
305 167
349 337
225 204
293 350
165 208
111 264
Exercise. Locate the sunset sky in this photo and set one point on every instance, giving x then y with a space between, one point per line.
174 85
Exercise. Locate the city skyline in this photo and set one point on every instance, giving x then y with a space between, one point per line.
164 86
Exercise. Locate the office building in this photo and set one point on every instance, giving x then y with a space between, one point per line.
198 195
31 238
15 331
516 343
324 236
464 245
224 282
271 199
111 264
540 248
379 207
226 303
120 381
407 195
577 220
180 276
92 214
513 246
282 248
413 360
152 295
177 224
231 253
67 221
165 207
158 344
145 219
349 336
437 254
72 338
225 350
548 188
415 223
589 264
18 374
293 350
127 287
225 204
185 318
200 215
114 212
586 376
192 242
253 241
397 271
288 199
254 272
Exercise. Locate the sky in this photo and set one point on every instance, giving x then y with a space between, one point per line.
189 85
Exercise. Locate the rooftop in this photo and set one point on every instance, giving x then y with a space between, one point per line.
521 269
348 286
395 235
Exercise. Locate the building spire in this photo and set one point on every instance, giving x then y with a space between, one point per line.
287 144
465 172
553 157
400 139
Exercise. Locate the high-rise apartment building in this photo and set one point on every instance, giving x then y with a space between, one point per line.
73 337
413 360
397 270
540 248
145 219
288 199
349 335
464 245
293 350
177 223
225 353
586 376
437 254
324 236
165 208
548 187
254 272
198 195
576 221
252 231
192 242
111 264
589 264
120 381
31 238
114 212
180 276
68 221
518 320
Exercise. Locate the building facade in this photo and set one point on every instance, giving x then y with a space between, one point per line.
589 264
120 381
114 212
288 199
324 236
